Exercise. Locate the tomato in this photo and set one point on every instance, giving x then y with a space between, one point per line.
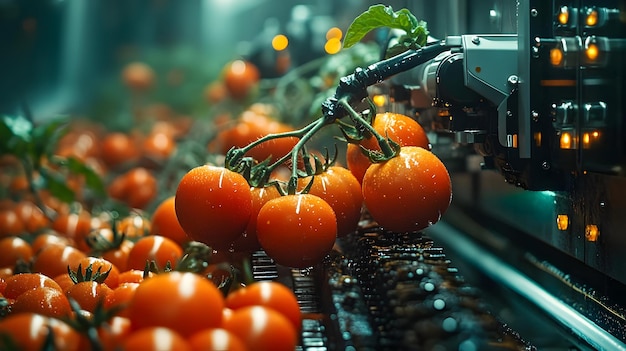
251 126
20 283
88 294
297 230
65 281
155 248
99 264
158 145
342 191
133 276
14 249
165 223
117 149
400 128
10 222
135 225
184 302
248 241
120 298
213 205
215 92
32 216
46 301
50 237
110 334
262 328
137 187
75 226
155 339
29 332
409 192
216 339
240 77
119 256
53 260
269 294
138 76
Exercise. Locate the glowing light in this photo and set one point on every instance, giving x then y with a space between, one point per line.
334 33
562 221
556 56
592 51
280 42
563 16
537 137
566 141
595 134
592 18
379 100
332 46
586 139
592 232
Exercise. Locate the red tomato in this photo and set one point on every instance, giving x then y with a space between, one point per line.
409 192
120 298
155 248
13 249
216 339
240 77
155 339
136 188
20 283
165 223
248 241
269 294
53 260
400 128
88 294
213 205
43 300
192 303
262 328
99 264
297 230
29 332
342 191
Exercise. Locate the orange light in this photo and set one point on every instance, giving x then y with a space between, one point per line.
592 51
537 137
562 221
379 100
592 17
595 134
586 139
563 16
556 56
280 42
566 140
333 45
592 232
334 32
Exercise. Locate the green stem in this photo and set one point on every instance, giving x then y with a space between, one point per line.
315 127
383 142
29 171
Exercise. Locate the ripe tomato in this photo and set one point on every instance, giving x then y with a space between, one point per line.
400 128
165 223
29 332
99 264
216 339
409 192
158 145
32 216
118 148
155 339
136 188
120 298
248 241
342 191
20 283
10 222
88 294
119 256
110 334
187 303
138 76
46 301
133 276
53 260
297 230
269 294
13 249
154 248
240 77
213 205
74 226
262 328
50 237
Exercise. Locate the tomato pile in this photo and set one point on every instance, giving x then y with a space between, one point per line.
140 239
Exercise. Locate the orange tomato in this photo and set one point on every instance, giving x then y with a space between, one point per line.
138 76
29 332
155 248
43 300
165 223
14 249
240 77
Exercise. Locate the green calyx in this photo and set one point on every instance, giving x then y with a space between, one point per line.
88 275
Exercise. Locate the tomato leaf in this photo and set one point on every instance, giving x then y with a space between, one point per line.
15 133
45 137
378 16
75 166
56 184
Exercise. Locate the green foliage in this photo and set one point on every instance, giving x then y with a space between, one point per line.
379 16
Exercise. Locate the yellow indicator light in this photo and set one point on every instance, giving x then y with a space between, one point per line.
280 42
592 51
586 140
379 100
562 221
595 134
556 56
566 140
335 33
537 137
333 45
592 232
592 18
563 16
